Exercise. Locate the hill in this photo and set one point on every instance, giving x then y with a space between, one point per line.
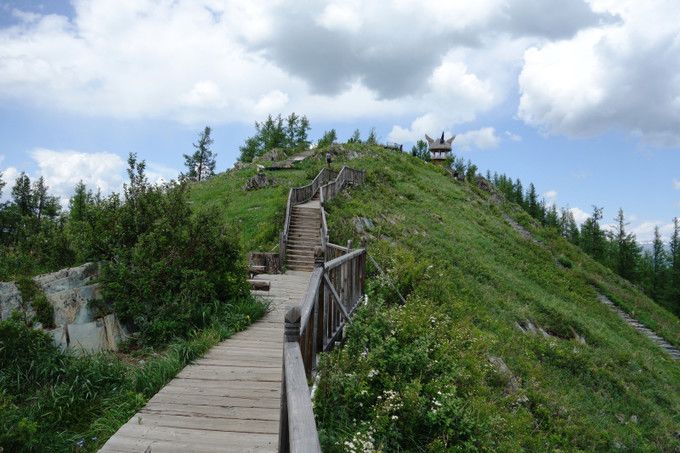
503 343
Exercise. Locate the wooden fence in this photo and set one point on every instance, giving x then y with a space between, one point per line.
335 290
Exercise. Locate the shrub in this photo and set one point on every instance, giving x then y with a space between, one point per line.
183 273
33 295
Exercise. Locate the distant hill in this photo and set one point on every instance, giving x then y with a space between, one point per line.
502 344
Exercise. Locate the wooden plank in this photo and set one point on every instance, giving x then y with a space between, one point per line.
302 433
212 423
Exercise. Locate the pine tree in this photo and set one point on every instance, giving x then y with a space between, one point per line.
43 204
532 201
673 293
201 164
79 202
552 218
372 137
659 267
22 195
626 250
356 137
291 130
519 193
300 134
592 238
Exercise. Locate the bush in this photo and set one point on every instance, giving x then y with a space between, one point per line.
33 295
183 273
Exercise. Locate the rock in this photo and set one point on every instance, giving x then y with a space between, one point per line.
87 338
483 183
273 155
10 299
514 384
362 224
114 332
258 181
70 292
59 337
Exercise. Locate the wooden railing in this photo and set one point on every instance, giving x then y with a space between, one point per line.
298 195
335 290
347 176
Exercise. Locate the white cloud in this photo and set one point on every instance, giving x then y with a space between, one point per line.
618 75
484 138
343 16
676 184
9 175
64 169
513 137
579 214
550 197
644 231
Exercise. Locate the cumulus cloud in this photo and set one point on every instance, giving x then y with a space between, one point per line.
579 214
227 60
484 138
620 75
644 231
62 170
550 197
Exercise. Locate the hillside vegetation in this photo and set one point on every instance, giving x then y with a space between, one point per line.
502 344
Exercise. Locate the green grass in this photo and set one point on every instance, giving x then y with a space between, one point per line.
470 279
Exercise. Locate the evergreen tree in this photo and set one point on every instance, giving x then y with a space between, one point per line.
592 238
79 202
301 133
518 193
356 137
44 205
568 226
329 137
659 267
627 252
201 164
532 201
372 137
2 184
673 293
22 195
552 218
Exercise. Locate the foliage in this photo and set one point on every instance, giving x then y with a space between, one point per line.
372 137
328 138
183 272
32 294
356 137
420 150
289 135
201 164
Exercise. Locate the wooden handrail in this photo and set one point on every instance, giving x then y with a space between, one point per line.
334 292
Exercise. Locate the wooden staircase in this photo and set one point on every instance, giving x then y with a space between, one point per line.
304 235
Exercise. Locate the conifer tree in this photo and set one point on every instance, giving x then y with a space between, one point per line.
592 238
532 201
627 251
79 202
519 193
372 137
201 164
43 204
22 196
356 137
673 295
659 266
2 184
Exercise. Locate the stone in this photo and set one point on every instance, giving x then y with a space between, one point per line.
59 337
87 338
258 181
10 299
362 224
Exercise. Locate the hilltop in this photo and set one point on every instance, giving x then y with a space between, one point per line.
503 342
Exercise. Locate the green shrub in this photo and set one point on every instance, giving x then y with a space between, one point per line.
32 295
182 273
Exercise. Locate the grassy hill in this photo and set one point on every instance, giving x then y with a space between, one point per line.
502 344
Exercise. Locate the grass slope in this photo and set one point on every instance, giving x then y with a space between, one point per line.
427 376
452 370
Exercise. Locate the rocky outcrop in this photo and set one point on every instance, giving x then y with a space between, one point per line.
70 292
258 181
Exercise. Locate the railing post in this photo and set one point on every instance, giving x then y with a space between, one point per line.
317 332
291 333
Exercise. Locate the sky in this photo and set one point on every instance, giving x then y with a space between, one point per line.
582 98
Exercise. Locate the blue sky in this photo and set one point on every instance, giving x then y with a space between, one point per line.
583 100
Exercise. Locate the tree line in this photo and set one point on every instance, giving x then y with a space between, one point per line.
655 270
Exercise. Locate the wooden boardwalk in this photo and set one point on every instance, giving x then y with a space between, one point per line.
227 401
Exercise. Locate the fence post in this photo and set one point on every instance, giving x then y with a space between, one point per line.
291 333
317 314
